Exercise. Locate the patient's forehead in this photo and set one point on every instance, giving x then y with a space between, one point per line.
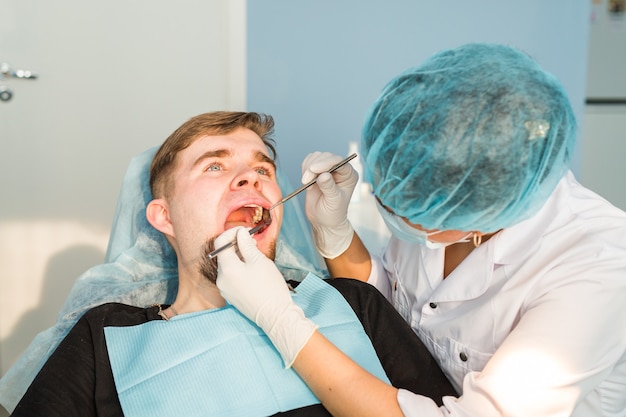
241 143
239 139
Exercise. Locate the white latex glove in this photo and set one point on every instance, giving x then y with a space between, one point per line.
326 202
255 286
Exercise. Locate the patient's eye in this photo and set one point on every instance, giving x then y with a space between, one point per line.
214 166
263 171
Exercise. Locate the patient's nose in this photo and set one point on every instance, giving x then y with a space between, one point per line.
247 177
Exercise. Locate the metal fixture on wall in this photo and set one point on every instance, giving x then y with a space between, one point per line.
5 73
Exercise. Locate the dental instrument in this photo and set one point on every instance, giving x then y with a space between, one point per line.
263 223
267 219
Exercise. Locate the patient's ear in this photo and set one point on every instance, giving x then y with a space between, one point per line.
158 216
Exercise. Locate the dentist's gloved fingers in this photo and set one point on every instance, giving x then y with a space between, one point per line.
307 174
255 286
253 269
332 201
328 186
319 162
231 269
227 236
252 284
248 248
326 202
331 194
252 280
341 174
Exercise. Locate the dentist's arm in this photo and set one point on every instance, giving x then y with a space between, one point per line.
326 207
343 386
256 288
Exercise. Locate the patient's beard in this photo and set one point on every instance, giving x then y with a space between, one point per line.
208 266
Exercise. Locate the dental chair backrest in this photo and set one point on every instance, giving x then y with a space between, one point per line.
140 269
296 255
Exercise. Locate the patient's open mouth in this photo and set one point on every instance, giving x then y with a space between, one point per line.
250 215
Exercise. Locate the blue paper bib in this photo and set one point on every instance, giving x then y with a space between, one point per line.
219 363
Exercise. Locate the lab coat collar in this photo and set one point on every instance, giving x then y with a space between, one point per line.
516 243
470 279
512 245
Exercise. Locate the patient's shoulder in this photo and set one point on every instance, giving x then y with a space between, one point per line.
118 314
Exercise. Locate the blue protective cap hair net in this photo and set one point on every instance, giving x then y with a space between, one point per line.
474 139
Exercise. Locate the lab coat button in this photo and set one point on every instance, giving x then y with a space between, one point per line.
463 356
433 305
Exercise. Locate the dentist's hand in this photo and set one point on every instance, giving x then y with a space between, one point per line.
255 286
326 203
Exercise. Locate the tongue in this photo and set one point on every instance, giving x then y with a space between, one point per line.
240 217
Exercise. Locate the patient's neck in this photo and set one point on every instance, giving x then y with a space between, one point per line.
196 293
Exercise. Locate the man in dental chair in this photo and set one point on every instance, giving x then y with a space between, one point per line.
198 355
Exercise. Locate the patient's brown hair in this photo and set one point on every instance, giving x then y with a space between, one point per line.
214 123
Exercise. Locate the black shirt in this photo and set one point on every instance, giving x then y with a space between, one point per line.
77 379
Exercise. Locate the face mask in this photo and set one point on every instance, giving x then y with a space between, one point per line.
400 229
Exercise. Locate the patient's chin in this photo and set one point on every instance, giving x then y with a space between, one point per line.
208 266
271 251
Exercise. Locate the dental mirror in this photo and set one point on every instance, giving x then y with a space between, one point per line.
265 221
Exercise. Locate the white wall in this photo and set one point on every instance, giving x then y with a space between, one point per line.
115 78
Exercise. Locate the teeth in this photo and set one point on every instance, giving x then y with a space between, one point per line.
258 213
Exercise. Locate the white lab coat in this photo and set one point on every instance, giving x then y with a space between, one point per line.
532 323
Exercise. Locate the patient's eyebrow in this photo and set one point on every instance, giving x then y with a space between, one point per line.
218 153
223 153
261 157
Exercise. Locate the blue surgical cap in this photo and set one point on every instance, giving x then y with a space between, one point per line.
474 139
